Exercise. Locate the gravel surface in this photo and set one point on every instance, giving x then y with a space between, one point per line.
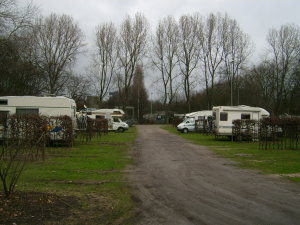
176 182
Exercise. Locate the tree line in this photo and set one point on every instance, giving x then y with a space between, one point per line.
197 61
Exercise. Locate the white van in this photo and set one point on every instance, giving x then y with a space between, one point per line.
188 123
225 115
47 106
113 117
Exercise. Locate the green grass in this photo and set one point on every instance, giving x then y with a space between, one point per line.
90 171
248 155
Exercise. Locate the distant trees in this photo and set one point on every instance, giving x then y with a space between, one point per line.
164 58
104 65
214 47
131 46
188 51
212 54
276 78
13 18
236 50
284 58
19 76
57 41
199 61
77 87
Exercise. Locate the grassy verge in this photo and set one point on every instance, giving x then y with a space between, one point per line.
248 155
88 181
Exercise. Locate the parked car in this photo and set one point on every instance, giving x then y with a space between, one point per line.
130 122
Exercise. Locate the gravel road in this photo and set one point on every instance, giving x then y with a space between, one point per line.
176 182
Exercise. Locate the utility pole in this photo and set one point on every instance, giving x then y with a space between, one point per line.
151 102
138 110
231 83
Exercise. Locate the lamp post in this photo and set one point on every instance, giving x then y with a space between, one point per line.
151 102
238 88
231 83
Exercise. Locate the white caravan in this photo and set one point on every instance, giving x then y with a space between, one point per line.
113 117
188 123
225 115
47 106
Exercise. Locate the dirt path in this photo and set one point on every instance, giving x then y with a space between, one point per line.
177 182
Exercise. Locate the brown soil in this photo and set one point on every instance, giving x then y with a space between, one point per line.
35 208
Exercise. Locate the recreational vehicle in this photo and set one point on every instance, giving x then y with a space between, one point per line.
225 115
188 123
113 117
47 106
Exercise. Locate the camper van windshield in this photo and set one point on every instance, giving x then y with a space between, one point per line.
117 119
188 120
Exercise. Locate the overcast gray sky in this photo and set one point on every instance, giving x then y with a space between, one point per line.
255 17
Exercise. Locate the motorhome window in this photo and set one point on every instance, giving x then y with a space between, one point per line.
27 111
99 117
3 101
245 116
116 119
223 116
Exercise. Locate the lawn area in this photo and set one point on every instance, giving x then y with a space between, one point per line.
85 184
248 155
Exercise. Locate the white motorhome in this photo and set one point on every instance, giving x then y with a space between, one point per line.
188 123
113 117
225 115
47 106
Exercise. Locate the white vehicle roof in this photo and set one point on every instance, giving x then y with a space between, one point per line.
35 101
199 113
116 112
242 108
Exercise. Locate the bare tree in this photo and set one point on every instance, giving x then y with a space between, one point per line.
284 56
131 48
211 54
57 42
263 74
236 49
165 46
104 60
13 18
188 51
78 87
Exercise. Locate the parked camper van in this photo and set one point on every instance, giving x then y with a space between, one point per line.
47 106
113 117
188 123
225 115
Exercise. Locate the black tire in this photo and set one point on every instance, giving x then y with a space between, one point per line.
185 131
121 129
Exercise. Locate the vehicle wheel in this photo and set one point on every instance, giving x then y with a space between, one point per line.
185 130
120 129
